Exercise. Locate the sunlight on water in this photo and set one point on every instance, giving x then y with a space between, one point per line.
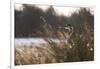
29 41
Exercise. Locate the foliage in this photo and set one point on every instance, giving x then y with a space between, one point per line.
33 22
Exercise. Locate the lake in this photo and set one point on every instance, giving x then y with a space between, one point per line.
29 41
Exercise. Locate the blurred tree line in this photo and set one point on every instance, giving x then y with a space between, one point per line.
34 22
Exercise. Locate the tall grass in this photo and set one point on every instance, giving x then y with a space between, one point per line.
80 45
46 53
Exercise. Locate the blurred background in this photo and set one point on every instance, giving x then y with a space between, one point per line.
69 31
